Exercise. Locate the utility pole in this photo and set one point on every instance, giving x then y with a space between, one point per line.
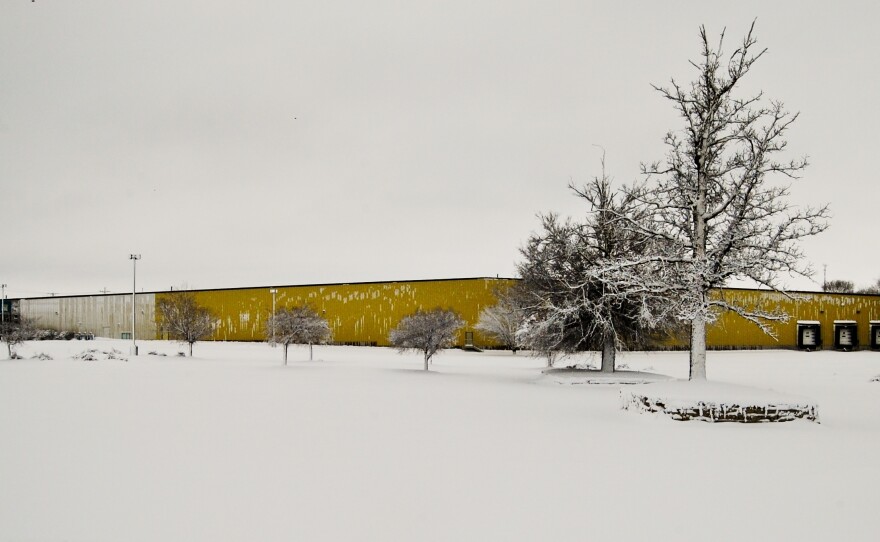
273 291
134 258
824 276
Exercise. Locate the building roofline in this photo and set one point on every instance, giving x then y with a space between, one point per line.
315 285
362 283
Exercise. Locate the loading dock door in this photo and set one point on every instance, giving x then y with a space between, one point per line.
846 338
845 335
809 337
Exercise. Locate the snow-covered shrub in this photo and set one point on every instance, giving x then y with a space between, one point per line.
87 355
42 355
93 354
45 335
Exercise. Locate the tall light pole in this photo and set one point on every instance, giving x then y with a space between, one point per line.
134 258
273 291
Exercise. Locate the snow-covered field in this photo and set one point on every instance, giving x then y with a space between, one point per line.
363 445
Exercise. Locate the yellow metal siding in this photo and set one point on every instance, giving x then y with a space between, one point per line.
732 331
357 313
365 313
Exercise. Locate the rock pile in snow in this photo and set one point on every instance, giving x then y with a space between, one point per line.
681 400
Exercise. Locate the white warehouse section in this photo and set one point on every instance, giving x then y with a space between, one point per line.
103 315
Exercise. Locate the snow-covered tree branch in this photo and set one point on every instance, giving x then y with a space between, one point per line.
586 288
503 320
713 201
297 325
426 331
184 319
15 331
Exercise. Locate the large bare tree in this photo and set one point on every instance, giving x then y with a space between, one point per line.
297 325
715 201
184 319
575 298
426 331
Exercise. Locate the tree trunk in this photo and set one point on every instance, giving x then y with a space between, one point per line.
698 348
310 351
190 349
285 353
609 352
427 358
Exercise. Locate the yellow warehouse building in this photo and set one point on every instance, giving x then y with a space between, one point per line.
364 313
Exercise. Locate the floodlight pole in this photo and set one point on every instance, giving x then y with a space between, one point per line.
134 258
273 291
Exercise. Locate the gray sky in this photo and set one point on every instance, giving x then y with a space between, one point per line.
258 142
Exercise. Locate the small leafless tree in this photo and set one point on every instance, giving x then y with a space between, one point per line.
502 320
426 331
15 331
298 325
712 202
839 286
184 319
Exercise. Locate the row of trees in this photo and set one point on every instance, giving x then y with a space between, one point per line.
425 331
849 287
185 320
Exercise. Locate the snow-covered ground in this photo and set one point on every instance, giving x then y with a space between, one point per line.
363 445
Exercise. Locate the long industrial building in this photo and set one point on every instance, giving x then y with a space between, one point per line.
364 313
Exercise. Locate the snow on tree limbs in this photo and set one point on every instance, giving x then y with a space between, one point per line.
426 331
184 319
297 325
578 296
711 205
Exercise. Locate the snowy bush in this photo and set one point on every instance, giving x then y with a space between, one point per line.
94 354
115 354
88 355
42 356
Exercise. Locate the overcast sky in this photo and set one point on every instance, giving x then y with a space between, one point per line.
267 142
